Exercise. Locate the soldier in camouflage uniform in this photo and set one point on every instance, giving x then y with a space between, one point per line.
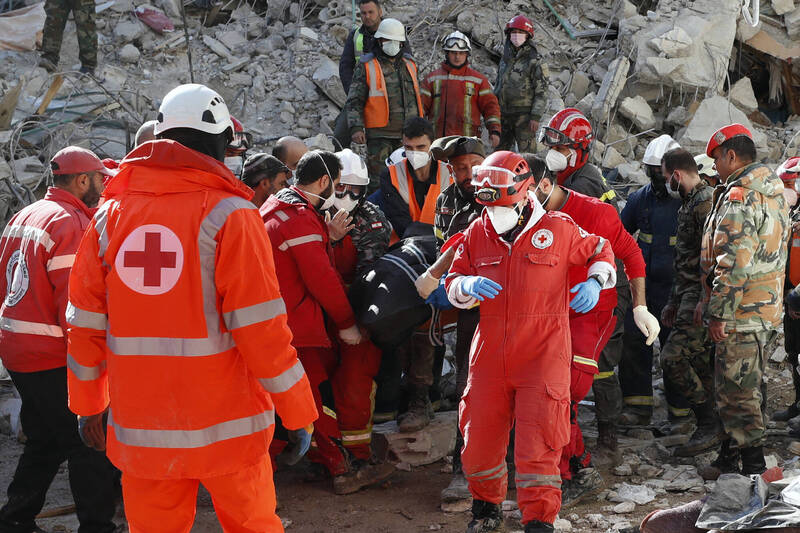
521 87
384 93
742 263
686 356
57 13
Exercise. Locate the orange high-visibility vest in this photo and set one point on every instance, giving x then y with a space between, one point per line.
404 184
376 110
794 259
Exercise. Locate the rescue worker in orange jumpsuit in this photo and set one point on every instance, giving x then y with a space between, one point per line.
328 340
454 96
188 358
515 260
37 251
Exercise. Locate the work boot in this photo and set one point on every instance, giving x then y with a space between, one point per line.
753 460
486 517
538 527
679 425
419 412
584 484
707 435
727 462
634 418
48 65
607 435
794 425
362 473
786 414
457 490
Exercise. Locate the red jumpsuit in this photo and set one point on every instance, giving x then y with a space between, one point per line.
590 331
520 356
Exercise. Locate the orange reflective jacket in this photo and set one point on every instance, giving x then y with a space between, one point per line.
376 110
403 182
177 323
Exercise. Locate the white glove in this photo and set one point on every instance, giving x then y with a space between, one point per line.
426 284
351 335
646 322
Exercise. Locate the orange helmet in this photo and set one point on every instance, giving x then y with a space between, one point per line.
502 179
520 22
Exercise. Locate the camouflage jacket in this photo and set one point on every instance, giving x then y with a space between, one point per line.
454 213
691 219
400 92
743 253
522 80
370 235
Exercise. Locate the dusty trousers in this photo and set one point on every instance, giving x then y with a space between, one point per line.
590 333
244 501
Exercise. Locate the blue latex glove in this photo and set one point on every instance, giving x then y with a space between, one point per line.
480 287
438 298
588 294
301 440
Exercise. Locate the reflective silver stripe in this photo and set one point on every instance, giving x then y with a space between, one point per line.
450 77
29 233
485 92
537 480
60 261
298 241
192 438
100 223
85 319
281 215
444 177
425 92
246 316
402 180
372 76
85 373
284 381
499 468
216 341
30 328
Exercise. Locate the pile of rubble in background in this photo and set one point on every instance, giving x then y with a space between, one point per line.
637 69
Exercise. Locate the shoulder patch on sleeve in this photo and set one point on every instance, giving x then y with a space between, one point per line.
736 194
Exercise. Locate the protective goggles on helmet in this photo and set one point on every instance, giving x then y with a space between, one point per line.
553 137
241 141
355 192
489 181
456 44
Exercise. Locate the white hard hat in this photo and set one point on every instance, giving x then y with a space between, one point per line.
396 156
657 148
705 165
193 106
457 42
354 170
391 29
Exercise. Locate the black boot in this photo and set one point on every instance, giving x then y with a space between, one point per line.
707 435
727 462
785 415
753 460
486 517
538 527
607 435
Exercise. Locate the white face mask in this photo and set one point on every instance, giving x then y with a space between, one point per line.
344 204
503 218
417 159
518 38
676 194
235 164
391 48
327 201
791 196
555 160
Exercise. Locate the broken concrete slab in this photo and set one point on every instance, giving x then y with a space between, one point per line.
613 83
579 86
638 111
421 447
712 114
674 43
742 95
612 158
128 30
638 494
782 7
792 22
129 54
218 48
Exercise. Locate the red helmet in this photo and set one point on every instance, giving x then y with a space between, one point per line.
570 128
789 170
502 179
241 139
520 22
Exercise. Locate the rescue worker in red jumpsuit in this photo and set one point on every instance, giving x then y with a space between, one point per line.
515 260
317 307
590 331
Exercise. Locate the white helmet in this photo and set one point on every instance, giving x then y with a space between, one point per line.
396 156
193 106
657 148
354 170
391 29
457 42
705 165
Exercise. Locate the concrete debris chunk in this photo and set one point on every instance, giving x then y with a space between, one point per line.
613 83
624 507
638 494
128 30
232 39
792 22
218 48
612 159
638 111
674 43
419 448
742 95
309 34
129 54
779 355
782 7
714 113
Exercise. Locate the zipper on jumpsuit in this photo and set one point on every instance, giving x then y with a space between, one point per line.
508 310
